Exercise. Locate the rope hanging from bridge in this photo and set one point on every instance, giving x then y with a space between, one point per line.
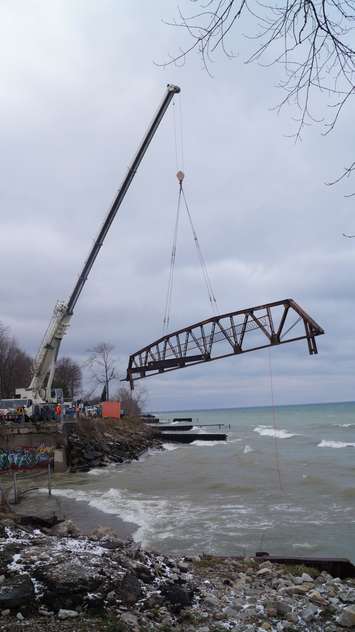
210 293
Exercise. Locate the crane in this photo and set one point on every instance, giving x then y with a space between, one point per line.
40 387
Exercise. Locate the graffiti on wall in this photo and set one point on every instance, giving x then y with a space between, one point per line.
25 458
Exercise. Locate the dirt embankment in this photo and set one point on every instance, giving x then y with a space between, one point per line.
98 442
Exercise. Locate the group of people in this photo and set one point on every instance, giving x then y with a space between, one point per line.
55 412
47 412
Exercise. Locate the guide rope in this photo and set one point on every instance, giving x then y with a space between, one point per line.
274 423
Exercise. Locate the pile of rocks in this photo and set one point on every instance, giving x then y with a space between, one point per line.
96 444
101 583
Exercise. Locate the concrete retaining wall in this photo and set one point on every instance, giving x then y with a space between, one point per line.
16 436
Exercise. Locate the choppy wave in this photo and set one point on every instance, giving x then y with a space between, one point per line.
236 489
145 514
160 519
311 480
100 471
335 444
305 545
207 444
345 425
172 446
268 431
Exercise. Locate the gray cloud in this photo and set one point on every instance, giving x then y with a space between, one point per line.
78 89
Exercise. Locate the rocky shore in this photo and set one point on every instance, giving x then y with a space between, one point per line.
99 442
58 579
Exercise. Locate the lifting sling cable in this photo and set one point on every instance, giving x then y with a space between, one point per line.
203 264
179 157
206 277
169 293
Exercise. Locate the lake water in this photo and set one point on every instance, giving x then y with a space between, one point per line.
283 482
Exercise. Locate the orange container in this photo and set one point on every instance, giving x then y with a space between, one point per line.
111 409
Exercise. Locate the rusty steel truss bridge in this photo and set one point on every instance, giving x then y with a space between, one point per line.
226 335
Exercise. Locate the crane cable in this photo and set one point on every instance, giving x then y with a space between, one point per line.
169 293
211 295
179 158
210 292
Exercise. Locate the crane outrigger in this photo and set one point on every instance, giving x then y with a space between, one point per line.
40 388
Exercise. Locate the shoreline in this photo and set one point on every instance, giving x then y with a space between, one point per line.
88 518
91 444
86 573
85 517
58 577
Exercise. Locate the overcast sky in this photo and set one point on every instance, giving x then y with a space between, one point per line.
78 88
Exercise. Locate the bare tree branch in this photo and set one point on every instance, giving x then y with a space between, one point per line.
102 365
312 39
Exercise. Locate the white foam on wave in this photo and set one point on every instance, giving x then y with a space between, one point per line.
100 471
304 545
146 514
335 444
268 431
207 444
97 471
165 519
172 446
345 425
247 449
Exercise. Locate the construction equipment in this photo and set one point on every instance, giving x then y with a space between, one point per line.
40 388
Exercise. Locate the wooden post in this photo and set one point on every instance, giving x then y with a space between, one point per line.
49 479
15 486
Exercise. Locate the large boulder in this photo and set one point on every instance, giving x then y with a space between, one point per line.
179 596
65 529
68 583
129 590
347 617
7 553
16 592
